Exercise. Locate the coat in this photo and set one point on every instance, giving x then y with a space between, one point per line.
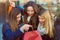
8 34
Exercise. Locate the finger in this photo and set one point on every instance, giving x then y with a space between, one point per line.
29 25
26 29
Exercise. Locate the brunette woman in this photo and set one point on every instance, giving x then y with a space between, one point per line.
13 29
31 14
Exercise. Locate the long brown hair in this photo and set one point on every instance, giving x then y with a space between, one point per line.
34 18
13 19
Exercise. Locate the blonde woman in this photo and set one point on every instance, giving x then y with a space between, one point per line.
47 24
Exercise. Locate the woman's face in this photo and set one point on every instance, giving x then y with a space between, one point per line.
30 10
12 4
41 19
19 17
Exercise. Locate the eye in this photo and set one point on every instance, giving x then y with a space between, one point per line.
18 17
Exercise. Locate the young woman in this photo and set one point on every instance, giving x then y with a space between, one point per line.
41 28
13 29
45 24
31 14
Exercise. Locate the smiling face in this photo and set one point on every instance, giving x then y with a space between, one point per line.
19 17
41 19
30 10
12 4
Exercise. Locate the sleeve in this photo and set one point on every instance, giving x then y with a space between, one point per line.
9 34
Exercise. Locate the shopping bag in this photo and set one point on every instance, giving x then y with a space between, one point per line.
32 35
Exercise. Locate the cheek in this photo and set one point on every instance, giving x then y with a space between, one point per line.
30 12
18 19
41 20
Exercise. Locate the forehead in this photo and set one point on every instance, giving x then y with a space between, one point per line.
19 15
12 3
41 16
30 8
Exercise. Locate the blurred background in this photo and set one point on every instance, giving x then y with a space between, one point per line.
51 5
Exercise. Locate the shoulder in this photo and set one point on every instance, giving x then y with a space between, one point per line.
6 26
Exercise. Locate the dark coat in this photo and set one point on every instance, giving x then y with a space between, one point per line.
57 29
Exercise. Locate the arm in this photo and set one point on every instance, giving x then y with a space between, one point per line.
9 34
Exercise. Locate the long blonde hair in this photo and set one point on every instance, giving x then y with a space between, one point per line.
48 23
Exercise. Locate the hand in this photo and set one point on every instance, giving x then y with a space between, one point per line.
26 27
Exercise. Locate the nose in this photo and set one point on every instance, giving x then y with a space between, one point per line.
30 12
